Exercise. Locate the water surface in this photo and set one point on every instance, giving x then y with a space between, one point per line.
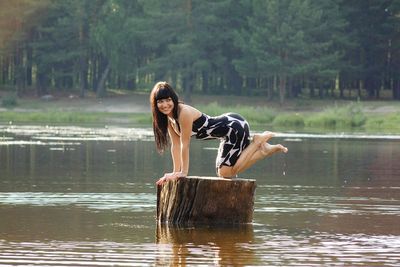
73 196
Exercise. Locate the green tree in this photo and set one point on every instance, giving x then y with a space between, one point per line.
114 39
286 40
57 47
374 26
195 49
169 42
212 46
17 21
393 62
214 27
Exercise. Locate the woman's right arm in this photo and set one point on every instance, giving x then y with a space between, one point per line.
175 148
175 153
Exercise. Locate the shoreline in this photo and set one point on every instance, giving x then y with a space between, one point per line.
139 103
133 109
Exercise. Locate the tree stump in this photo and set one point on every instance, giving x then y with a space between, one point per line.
206 200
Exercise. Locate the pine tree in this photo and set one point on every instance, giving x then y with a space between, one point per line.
373 25
17 21
289 39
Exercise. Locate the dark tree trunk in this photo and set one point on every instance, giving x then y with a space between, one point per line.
101 87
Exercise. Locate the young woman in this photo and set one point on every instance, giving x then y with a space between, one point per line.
180 121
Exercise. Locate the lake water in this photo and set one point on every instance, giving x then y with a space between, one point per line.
73 196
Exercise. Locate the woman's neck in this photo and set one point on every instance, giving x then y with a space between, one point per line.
171 115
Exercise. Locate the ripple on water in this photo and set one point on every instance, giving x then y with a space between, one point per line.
100 253
99 201
324 200
278 248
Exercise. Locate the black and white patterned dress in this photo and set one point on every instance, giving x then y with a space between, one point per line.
231 128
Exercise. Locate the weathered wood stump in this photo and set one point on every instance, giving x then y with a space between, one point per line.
206 200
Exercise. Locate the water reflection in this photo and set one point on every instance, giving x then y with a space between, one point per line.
219 245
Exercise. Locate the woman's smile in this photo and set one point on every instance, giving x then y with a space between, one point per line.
165 105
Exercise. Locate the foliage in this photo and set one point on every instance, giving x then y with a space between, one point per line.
289 120
50 117
275 49
338 117
390 123
346 117
287 39
70 117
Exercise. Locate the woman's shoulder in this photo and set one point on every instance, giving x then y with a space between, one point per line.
187 110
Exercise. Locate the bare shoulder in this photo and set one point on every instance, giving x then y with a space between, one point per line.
188 111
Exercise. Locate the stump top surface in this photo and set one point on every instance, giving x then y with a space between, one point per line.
220 179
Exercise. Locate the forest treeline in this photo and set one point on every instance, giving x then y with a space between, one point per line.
273 48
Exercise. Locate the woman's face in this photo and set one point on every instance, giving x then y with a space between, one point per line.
165 106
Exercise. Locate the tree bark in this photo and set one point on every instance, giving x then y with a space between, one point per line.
282 88
101 86
206 200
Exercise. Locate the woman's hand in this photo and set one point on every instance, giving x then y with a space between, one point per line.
170 176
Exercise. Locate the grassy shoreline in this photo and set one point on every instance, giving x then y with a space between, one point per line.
349 117
73 117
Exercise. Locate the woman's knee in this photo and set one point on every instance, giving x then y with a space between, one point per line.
226 172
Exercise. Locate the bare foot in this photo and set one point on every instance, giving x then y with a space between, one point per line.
263 138
268 149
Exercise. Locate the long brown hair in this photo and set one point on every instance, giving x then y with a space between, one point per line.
162 90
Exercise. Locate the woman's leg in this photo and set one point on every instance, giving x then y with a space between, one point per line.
264 151
248 157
